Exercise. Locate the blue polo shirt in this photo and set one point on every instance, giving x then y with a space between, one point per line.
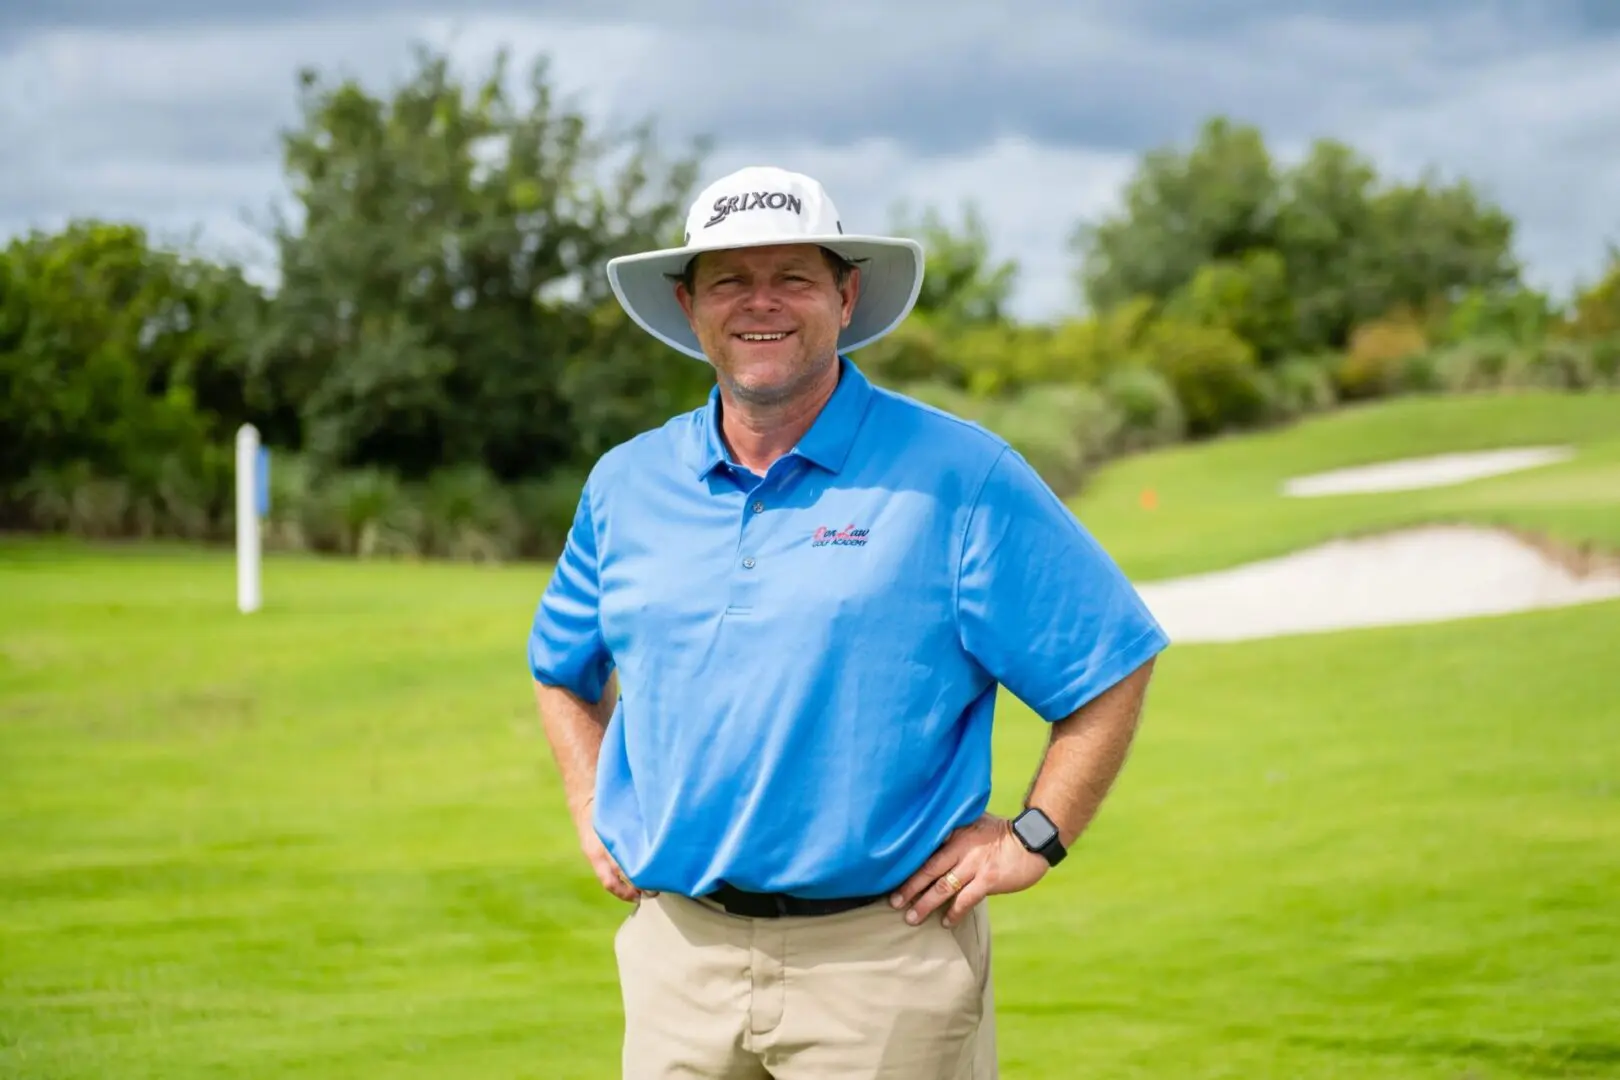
808 660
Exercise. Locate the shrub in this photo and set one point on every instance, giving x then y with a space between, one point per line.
1076 351
285 527
544 510
170 494
1517 314
1095 421
1149 411
1420 374
952 399
913 353
1595 312
1518 370
461 512
1605 353
1085 350
1247 295
987 360
467 514
1063 430
1213 372
365 512
1304 384
72 498
191 498
1561 365
1480 364
1376 355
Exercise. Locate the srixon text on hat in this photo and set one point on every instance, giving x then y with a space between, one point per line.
726 205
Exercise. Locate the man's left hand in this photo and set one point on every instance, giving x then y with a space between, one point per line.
978 860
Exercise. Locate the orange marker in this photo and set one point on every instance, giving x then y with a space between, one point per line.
1150 499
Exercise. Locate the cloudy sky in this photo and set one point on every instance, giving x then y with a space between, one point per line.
167 111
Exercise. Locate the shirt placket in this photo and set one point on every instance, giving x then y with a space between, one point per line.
752 532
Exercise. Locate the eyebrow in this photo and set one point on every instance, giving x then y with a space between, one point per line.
799 264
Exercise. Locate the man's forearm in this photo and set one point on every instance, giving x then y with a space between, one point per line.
574 728
1085 754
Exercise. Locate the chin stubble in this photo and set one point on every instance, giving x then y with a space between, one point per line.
775 394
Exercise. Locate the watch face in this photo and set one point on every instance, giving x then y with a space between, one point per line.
1035 830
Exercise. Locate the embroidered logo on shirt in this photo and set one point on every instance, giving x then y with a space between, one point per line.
848 536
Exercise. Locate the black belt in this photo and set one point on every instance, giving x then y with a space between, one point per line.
755 905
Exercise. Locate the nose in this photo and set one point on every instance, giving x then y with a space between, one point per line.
761 296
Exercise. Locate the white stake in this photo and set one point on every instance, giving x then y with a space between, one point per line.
252 487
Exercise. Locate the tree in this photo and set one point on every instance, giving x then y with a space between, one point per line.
961 286
1358 250
1219 200
1351 248
1595 310
120 365
1429 242
1248 296
1323 226
446 274
1522 316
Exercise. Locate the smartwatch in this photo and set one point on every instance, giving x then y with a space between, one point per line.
1037 832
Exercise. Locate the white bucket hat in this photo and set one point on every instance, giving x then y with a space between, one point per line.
755 207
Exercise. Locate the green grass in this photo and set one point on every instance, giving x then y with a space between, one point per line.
1218 503
326 841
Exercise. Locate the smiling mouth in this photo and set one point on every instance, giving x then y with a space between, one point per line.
776 336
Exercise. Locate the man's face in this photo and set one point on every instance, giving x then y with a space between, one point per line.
768 318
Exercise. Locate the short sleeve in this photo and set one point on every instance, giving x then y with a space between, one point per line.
1040 605
565 641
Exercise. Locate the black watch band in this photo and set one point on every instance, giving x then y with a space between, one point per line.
1039 833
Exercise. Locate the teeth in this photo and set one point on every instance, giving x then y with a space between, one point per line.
763 337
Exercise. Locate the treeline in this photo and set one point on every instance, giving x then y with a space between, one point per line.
440 360
1230 292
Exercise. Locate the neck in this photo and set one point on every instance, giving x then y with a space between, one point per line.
760 432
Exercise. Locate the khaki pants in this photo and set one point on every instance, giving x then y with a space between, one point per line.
859 994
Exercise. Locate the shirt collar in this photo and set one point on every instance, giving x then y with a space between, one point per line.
829 439
708 450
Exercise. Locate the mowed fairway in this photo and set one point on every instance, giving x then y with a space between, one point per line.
326 840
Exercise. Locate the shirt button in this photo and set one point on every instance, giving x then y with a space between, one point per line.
759 508
749 562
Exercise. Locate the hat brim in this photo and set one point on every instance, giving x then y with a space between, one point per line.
891 278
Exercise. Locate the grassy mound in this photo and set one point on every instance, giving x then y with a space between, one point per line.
1219 504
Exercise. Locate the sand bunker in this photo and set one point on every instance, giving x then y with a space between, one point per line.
1425 472
1417 576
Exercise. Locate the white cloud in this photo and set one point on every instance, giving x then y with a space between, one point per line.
1037 121
177 129
1539 134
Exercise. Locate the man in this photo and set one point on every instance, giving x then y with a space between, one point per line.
807 593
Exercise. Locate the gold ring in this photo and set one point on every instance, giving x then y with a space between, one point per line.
953 881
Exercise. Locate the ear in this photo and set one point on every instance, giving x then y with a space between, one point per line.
684 298
850 293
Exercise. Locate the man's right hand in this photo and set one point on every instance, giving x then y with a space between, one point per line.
607 871
574 728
